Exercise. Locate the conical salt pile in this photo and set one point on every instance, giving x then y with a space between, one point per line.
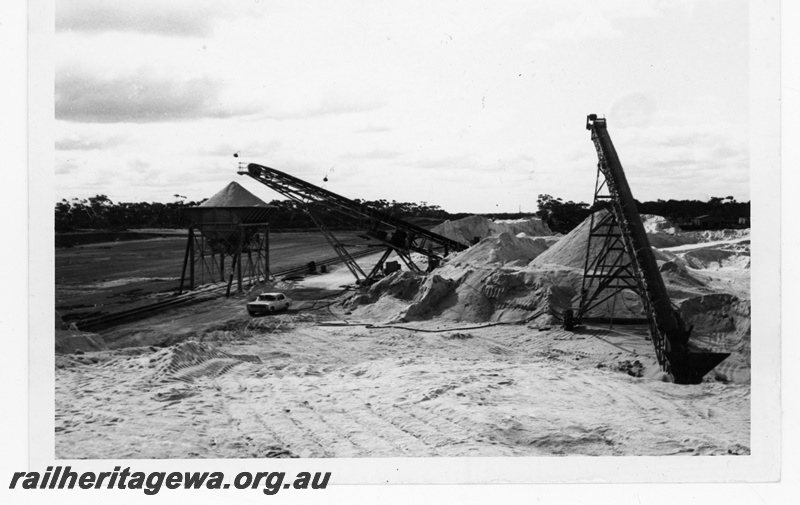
234 195
570 250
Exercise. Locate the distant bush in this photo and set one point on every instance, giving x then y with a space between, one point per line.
100 213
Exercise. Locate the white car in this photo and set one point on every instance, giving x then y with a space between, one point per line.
267 303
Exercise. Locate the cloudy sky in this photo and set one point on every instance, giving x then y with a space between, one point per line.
472 106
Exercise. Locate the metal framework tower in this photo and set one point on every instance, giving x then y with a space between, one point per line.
228 238
608 270
405 238
619 258
246 250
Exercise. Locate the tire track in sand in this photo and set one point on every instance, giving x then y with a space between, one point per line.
286 430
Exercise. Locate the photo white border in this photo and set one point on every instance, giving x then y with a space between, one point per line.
762 465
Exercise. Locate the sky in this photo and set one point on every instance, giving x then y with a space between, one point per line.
471 106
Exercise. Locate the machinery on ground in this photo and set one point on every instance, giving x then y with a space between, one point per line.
399 236
619 258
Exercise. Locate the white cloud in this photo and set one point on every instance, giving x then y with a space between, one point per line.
374 154
327 106
87 144
172 18
138 98
65 167
637 108
373 129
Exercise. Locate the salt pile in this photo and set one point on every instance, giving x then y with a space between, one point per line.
717 258
664 233
716 235
234 195
659 224
467 229
505 248
721 323
516 278
570 250
502 278
404 296
459 293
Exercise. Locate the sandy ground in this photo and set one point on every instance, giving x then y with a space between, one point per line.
312 383
350 391
325 380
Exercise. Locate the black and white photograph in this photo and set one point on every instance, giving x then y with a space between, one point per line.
412 242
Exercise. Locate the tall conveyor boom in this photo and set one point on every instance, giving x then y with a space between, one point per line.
404 239
668 331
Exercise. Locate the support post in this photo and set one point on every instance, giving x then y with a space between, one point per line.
238 260
267 271
185 260
379 264
230 278
192 259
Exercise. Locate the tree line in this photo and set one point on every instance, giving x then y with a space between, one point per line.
100 213
716 213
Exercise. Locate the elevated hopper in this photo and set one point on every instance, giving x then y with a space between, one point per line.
220 218
230 223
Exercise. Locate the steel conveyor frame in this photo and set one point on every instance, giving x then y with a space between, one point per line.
633 266
406 237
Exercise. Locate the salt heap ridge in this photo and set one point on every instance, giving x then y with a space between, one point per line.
516 278
467 229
